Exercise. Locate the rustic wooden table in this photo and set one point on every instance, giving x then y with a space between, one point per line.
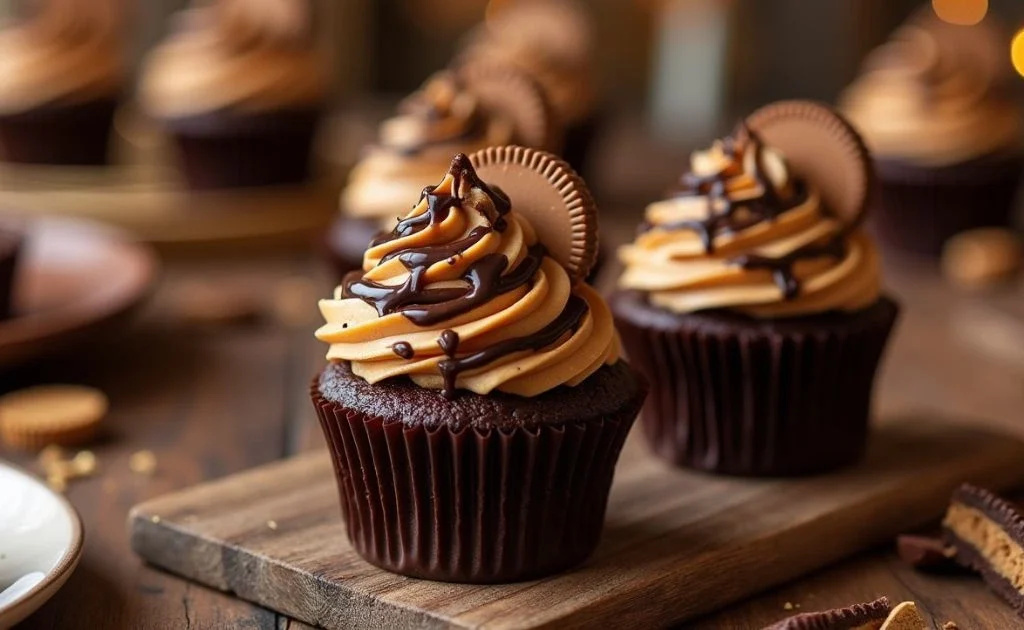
210 401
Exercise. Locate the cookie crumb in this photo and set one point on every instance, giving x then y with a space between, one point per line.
272 525
154 519
950 625
983 257
788 606
142 462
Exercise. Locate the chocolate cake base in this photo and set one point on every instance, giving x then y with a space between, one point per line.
63 134
478 489
10 246
346 241
736 395
238 150
919 208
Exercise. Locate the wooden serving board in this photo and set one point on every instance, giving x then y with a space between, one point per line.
676 544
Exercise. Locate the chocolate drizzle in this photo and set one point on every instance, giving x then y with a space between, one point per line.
484 279
782 267
734 215
403 349
567 321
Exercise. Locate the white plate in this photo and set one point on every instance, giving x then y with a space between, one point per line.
40 544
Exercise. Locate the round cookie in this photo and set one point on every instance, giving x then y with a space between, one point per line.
512 93
52 414
552 196
820 146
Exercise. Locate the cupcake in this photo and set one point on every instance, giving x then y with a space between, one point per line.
751 300
481 106
934 107
240 88
61 76
475 404
10 246
552 41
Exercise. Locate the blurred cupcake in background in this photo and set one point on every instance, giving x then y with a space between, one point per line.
933 105
552 41
62 72
482 105
240 87
752 301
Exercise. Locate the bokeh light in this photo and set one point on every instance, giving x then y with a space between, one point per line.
962 12
1017 52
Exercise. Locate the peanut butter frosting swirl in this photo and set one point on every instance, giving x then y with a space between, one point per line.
64 51
744 234
434 123
242 55
933 96
461 295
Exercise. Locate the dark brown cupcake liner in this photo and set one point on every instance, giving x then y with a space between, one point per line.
233 150
918 209
476 505
71 134
10 246
739 396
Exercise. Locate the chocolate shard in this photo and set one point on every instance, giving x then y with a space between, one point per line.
870 614
927 553
988 534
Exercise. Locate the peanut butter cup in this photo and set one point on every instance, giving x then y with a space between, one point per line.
987 532
475 404
867 616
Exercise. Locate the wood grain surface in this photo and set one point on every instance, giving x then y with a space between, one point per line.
682 543
211 402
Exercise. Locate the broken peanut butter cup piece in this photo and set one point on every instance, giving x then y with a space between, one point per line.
822 148
510 92
867 615
555 200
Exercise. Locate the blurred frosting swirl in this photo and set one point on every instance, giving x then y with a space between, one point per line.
744 234
461 295
933 95
64 51
552 41
243 55
437 121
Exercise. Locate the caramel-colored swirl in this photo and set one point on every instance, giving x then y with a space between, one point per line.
243 55
928 98
439 120
744 234
461 295
66 51
550 41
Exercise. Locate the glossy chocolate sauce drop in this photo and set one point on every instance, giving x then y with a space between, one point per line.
403 349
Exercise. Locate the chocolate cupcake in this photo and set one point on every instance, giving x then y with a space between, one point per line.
61 76
10 247
933 105
475 404
554 43
751 300
452 113
239 86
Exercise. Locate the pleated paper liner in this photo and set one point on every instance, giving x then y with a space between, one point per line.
919 208
738 396
477 505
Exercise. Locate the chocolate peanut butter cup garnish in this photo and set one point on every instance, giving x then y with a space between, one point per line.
510 92
554 199
867 615
822 147
987 532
